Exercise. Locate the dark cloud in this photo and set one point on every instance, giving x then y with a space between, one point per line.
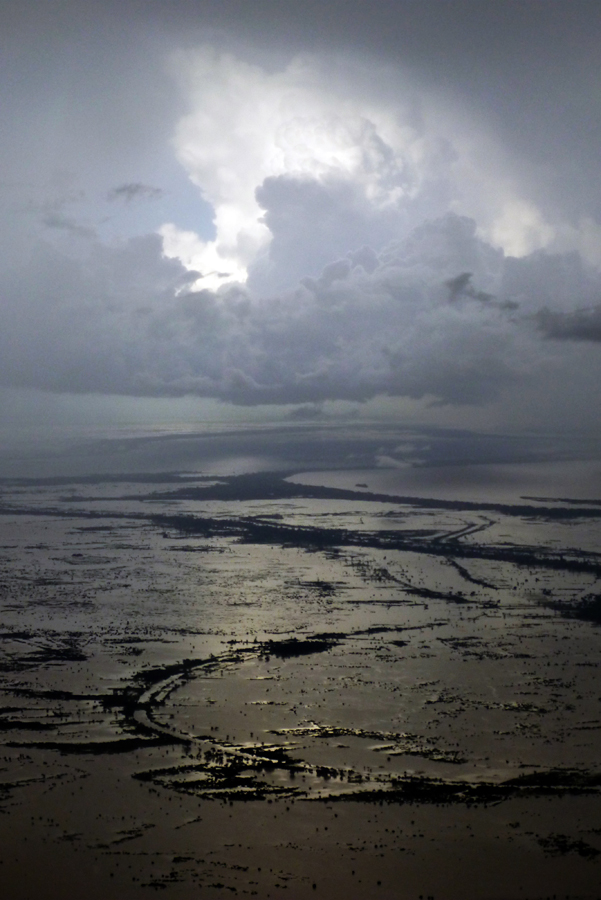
461 287
125 321
134 191
554 280
66 223
580 325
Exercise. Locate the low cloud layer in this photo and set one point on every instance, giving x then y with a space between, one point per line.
440 314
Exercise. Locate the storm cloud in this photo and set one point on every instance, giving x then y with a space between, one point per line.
267 207
127 320
580 325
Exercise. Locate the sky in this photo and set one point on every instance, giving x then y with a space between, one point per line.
275 211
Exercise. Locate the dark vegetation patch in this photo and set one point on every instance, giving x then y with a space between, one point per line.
325 588
560 844
8 724
588 608
35 656
51 694
571 500
228 778
235 777
420 789
191 548
448 596
469 577
392 743
558 779
293 647
259 531
96 748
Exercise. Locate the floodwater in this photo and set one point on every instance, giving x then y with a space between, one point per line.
300 686
499 483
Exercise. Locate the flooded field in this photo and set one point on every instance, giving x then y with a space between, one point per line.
294 685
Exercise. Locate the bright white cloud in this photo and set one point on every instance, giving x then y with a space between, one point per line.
247 125
520 228
332 123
